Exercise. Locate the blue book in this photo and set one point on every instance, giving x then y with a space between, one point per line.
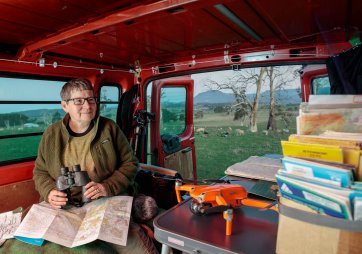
336 203
33 241
313 180
311 169
357 185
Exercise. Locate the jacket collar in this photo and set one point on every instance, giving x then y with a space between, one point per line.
66 119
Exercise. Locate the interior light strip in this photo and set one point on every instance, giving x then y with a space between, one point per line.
232 17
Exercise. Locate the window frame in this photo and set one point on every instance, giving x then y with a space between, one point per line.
313 86
106 84
27 102
184 102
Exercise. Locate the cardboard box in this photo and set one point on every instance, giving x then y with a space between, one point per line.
302 230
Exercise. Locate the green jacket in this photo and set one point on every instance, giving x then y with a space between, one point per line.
115 164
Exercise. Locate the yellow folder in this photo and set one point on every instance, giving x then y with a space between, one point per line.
313 151
321 140
350 149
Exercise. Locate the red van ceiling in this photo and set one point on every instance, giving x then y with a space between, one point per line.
117 33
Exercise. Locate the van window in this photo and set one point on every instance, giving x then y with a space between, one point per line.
224 115
173 106
109 98
172 112
27 108
321 85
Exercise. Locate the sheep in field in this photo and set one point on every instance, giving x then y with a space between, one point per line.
239 132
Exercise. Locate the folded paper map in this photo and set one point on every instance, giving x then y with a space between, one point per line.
106 219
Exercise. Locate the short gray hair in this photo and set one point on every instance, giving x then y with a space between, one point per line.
79 84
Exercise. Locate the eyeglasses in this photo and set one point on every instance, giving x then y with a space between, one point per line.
80 101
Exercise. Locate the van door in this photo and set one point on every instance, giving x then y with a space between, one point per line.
172 130
314 80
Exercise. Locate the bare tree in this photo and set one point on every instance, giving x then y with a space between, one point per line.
258 78
240 113
278 77
272 123
238 84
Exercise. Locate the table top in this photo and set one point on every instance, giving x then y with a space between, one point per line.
253 230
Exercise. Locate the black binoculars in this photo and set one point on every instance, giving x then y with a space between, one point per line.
71 178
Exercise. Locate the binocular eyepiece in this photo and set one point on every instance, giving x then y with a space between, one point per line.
70 178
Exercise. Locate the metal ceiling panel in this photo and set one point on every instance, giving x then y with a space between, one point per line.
118 33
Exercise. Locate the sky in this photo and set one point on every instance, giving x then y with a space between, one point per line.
28 90
199 79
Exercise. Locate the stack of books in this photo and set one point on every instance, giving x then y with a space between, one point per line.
321 172
329 146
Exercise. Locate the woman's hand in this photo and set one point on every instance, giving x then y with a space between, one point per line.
57 199
95 190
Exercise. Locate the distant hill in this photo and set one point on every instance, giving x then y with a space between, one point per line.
214 97
40 112
287 96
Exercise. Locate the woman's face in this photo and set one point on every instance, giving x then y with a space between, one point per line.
82 114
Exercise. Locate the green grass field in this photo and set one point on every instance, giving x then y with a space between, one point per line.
216 152
17 148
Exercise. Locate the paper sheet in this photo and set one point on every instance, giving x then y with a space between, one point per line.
255 167
9 222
